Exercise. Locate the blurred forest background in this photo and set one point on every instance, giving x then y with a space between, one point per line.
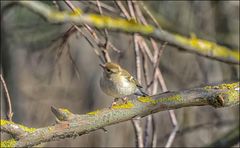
37 81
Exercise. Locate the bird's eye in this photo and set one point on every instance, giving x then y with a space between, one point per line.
108 70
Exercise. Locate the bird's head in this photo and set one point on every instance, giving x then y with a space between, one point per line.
111 68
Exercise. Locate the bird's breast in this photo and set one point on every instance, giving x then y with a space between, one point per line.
117 86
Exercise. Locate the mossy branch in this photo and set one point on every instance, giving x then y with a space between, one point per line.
72 125
16 130
193 44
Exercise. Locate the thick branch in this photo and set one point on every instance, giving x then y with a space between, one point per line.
217 96
194 45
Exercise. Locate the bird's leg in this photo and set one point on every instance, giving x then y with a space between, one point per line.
125 100
114 102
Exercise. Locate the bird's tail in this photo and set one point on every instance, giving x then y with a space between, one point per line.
140 92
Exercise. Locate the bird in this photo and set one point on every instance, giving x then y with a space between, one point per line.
119 83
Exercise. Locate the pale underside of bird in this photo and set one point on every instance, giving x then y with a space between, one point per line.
118 83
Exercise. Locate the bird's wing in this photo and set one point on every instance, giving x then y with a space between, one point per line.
130 78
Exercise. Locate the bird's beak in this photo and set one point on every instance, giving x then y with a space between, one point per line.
102 66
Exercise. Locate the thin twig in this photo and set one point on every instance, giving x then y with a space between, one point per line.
122 8
150 14
105 47
138 129
113 47
131 10
136 123
171 137
158 73
90 43
9 104
159 76
105 30
102 47
137 57
105 6
70 5
150 125
171 112
73 63
98 43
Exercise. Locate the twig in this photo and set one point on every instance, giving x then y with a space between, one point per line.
105 47
73 63
136 123
150 119
91 44
9 104
171 113
171 137
156 60
99 44
154 138
159 76
105 6
105 30
131 10
97 40
150 125
137 58
138 132
113 47
70 5
138 129
64 40
150 14
122 8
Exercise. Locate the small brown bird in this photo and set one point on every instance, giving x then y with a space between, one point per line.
118 83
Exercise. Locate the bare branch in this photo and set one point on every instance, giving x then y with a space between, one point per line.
171 137
105 30
138 132
136 122
122 8
105 6
150 14
9 104
96 39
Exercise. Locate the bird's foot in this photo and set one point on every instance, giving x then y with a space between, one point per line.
125 100
114 102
